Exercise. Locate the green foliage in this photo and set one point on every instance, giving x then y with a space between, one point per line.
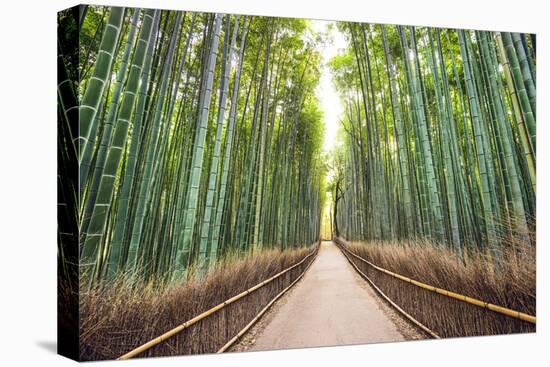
215 143
430 149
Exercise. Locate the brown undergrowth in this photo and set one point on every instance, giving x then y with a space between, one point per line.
511 284
118 318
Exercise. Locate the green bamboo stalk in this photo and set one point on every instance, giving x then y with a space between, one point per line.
114 262
184 247
526 72
98 221
519 87
102 68
106 135
145 190
480 145
213 178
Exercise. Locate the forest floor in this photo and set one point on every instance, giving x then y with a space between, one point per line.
331 305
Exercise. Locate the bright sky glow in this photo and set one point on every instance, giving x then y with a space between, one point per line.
326 91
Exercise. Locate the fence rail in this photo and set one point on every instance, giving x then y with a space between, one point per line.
178 329
417 323
473 301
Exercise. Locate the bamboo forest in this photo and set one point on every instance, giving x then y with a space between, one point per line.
201 154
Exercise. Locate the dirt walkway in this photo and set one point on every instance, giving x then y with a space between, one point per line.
331 305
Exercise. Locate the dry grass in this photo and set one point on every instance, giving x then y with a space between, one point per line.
119 318
511 284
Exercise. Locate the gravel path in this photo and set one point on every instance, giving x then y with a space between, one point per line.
331 305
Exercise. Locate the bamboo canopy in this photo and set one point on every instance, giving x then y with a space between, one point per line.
198 138
440 139
199 135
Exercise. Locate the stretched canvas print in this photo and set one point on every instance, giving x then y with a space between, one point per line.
240 183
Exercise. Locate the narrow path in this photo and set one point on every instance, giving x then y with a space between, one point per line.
331 305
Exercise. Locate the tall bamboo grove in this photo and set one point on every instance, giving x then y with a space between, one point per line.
440 136
199 136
